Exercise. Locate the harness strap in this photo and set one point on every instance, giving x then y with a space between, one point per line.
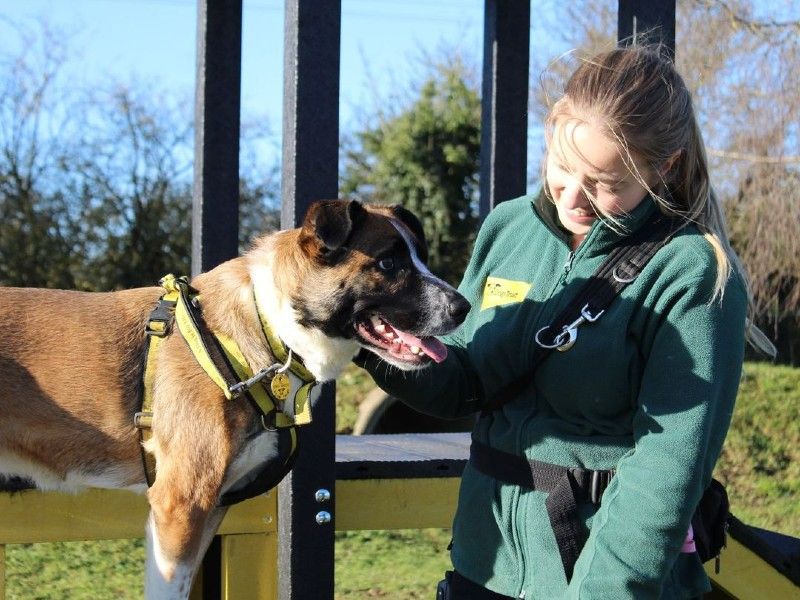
566 487
271 473
159 325
284 405
621 267
217 354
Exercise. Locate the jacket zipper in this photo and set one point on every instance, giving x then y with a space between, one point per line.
567 267
561 281
520 531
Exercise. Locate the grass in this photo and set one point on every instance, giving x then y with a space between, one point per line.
75 570
760 465
390 564
760 462
351 388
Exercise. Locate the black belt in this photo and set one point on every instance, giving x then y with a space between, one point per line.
462 588
565 486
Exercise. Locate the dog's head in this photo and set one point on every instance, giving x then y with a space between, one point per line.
368 282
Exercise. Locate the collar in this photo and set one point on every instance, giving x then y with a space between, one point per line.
279 350
293 385
601 236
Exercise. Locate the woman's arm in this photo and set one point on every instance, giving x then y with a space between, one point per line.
449 389
685 404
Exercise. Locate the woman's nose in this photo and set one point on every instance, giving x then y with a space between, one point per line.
573 195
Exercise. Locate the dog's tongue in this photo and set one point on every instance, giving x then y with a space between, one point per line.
430 345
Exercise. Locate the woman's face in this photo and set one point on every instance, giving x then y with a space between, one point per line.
582 161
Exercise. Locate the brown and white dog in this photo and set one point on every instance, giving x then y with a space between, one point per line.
71 367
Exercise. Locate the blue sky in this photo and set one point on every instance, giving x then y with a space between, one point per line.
382 44
154 40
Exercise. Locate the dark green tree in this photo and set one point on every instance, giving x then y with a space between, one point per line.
95 185
130 178
133 178
425 157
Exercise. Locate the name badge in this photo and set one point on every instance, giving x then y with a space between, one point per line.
499 292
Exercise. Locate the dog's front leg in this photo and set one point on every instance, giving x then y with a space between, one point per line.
169 576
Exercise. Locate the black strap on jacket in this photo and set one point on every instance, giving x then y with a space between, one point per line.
565 488
619 269
455 586
568 486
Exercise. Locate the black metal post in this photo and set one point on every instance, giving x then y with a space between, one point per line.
215 206
646 21
504 118
310 172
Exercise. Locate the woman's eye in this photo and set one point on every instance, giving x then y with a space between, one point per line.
386 264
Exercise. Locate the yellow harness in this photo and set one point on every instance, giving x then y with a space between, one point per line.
283 403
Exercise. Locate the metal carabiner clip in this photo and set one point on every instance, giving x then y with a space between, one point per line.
565 338
569 334
237 389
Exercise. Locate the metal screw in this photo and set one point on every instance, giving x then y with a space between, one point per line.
322 495
323 517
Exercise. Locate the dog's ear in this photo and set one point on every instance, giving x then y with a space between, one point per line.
329 223
413 223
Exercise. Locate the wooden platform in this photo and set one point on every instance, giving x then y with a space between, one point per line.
405 481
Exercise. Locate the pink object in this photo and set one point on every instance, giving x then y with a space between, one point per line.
688 544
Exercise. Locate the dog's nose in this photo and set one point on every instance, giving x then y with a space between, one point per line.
457 308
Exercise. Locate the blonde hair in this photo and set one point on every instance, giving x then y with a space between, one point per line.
639 100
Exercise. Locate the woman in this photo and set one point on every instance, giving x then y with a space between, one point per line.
647 390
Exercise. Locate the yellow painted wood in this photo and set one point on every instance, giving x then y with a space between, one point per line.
249 566
743 574
396 503
249 545
33 516
2 572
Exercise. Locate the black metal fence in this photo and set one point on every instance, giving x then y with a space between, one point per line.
310 172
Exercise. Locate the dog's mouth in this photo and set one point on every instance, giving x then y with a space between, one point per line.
401 346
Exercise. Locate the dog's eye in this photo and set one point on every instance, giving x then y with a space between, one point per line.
386 264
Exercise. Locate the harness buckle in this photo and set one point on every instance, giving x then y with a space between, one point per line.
162 331
160 320
270 425
143 420
598 484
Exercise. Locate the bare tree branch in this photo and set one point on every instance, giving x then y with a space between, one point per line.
753 158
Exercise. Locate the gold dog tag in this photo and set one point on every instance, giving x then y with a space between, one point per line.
281 385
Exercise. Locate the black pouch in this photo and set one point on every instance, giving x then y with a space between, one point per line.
710 521
443 589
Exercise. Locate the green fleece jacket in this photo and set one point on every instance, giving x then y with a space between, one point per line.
647 390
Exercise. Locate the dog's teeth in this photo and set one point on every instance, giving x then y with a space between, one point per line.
380 327
390 335
415 349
